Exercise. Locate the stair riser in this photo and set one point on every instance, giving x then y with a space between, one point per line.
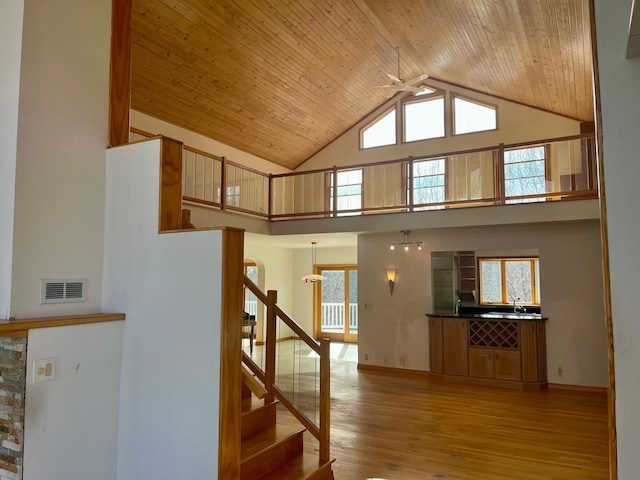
258 419
271 458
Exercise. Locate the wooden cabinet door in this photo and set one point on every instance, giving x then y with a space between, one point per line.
435 345
507 365
481 362
455 344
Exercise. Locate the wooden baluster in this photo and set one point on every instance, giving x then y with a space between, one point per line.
270 347
325 392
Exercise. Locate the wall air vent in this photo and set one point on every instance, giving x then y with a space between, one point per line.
63 291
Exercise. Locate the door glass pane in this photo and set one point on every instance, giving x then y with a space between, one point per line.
353 302
491 285
518 281
332 305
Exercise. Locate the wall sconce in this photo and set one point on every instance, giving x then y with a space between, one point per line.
391 278
405 242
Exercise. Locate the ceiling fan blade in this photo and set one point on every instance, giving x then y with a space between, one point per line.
381 86
419 78
394 78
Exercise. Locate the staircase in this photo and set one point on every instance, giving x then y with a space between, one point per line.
274 451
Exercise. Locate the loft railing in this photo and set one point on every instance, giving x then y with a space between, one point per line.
536 171
295 371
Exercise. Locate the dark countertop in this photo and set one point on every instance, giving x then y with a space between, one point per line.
492 316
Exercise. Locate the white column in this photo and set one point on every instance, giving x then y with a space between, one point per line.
11 13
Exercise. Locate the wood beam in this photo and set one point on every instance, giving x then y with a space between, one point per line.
170 211
120 78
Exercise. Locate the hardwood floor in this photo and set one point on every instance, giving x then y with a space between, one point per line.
400 427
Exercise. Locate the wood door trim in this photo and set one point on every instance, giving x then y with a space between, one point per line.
317 303
613 442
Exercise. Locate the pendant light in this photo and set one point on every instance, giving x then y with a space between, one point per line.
313 277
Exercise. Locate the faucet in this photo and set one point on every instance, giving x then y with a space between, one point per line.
516 308
458 304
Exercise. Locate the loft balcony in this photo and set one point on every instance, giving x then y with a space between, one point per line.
546 170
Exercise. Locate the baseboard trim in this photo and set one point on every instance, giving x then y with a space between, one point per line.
393 370
578 388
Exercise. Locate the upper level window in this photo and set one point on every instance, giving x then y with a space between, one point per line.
424 118
349 192
425 91
510 280
382 131
470 116
429 183
524 172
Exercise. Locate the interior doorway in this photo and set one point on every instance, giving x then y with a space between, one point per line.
336 303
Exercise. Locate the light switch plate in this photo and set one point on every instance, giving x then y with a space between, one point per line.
44 370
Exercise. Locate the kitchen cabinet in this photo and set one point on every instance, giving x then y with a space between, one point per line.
435 345
466 272
503 352
455 345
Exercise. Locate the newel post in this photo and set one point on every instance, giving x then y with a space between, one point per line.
270 346
325 406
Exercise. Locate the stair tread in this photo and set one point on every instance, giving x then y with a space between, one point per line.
298 468
254 444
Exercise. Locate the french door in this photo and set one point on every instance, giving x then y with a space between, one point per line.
336 303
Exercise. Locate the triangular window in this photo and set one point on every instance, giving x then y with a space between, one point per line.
382 131
470 116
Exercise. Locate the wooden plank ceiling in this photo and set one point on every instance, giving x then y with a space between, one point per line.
282 78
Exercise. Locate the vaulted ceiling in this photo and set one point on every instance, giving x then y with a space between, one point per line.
282 78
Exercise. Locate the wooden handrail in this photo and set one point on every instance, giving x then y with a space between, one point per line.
296 412
321 431
255 290
298 330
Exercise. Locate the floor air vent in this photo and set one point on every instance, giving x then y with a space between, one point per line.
63 291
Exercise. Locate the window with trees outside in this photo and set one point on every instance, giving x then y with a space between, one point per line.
349 192
380 132
525 173
509 280
429 183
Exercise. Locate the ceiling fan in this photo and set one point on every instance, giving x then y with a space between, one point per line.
399 85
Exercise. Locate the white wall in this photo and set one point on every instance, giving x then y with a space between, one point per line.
11 12
620 102
206 144
278 265
62 135
169 285
516 123
571 284
71 422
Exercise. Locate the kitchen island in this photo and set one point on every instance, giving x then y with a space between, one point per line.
500 349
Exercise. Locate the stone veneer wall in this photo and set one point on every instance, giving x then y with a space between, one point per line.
13 376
